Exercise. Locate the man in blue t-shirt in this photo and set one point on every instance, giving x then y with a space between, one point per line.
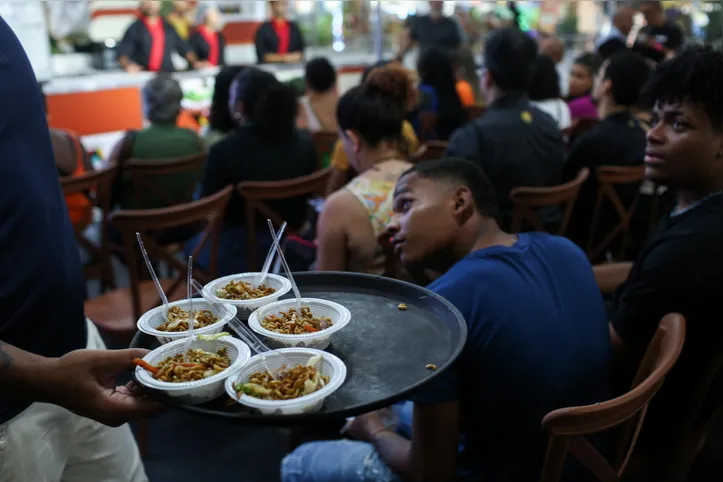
537 341
43 365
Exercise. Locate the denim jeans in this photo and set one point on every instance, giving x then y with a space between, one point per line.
344 460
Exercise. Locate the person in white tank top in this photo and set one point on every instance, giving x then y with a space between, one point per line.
317 109
545 92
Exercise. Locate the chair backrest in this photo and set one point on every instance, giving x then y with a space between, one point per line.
324 142
100 184
567 427
608 178
429 151
475 111
526 200
255 193
427 126
206 213
145 176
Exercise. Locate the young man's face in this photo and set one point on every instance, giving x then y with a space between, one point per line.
425 225
684 149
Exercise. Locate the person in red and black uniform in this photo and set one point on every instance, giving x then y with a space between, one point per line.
207 42
279 40
149 42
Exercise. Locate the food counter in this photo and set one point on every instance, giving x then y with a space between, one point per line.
101 105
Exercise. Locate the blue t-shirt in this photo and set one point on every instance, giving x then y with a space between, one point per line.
537 341
41 283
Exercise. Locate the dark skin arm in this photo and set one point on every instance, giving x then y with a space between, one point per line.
430 456
83 381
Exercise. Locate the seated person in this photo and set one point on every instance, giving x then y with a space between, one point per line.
545 92
515 143
208 41
370 122
618 140
162 140
660 37
438 94
341 173
678 271
266 146
579 93
537 341
220 122
72 159
318 107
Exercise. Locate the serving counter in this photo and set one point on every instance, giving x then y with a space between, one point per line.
101 105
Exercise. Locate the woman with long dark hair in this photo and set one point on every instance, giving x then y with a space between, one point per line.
220 122
265 146
438 88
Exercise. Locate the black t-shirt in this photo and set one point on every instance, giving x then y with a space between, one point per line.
668 35
245 155
515 144
41 284
680 270
202 49
267 40
617 140
444 32
137 43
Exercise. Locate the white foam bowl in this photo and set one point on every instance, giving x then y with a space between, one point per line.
330 366
198 391
337 313
154 318
246 307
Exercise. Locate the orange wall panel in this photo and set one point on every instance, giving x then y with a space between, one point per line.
94 112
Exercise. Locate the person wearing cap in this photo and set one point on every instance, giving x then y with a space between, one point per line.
433 29
279 40
149 42
58 396
207 41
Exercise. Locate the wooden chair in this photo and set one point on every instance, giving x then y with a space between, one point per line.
98 183
429 151
324 143
256 193
475 111
145 176
527 200
427 126
567 427
116 312
609 177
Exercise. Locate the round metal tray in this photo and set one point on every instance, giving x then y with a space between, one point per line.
386 350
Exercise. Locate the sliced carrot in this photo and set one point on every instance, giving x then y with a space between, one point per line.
145 365
189 365
310 328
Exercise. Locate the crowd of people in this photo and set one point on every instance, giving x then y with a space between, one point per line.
540 334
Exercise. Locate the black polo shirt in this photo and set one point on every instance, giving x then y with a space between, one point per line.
41 283
443 32
267 41
618 140
202 49
515 144
137 42
678 271
668 35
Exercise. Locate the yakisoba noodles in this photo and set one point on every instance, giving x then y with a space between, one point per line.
199 364
287 384
178 320
292 323
241 290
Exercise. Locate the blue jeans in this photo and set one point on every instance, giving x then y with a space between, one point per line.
344 460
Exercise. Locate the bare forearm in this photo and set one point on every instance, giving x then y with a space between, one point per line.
273 58
395 451
293 57
21 373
